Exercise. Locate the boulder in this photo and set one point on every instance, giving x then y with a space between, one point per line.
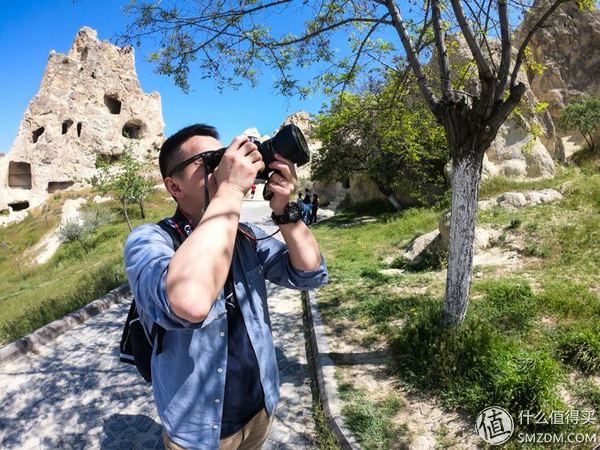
421 247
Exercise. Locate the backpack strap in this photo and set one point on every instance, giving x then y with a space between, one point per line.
246 231
176 236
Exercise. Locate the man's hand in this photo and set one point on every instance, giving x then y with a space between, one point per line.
239 165
282 183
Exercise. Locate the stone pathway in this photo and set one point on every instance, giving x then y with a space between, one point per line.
75 394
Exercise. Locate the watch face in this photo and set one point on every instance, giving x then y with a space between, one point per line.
293 212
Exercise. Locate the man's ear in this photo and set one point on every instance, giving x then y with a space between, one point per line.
173 187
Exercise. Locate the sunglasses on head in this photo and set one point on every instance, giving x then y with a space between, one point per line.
210 160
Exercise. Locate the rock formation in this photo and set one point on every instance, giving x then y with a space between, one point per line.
567 47
90 102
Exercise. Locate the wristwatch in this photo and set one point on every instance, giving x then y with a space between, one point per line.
291 214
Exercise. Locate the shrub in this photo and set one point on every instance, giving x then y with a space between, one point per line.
579 346
74 230
473 365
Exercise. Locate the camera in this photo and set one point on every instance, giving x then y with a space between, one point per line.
289 142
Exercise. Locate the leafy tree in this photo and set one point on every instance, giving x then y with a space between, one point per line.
125 180
397 144
583 115
229 41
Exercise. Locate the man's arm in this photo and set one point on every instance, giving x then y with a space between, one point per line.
199 268
303 248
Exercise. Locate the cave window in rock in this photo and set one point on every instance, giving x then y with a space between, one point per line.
133 129
79 125
19 175
112 103
84 54
19 206
94 75
66 125
346 183
36 134
54 186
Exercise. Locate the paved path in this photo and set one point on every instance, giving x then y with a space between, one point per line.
75 393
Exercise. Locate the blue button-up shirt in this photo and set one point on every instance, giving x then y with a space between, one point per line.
188 376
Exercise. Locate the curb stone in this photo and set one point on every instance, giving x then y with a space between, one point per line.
324 369
40 337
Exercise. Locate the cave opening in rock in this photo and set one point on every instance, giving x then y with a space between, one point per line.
79 125
19 206
54 186
66 125
36 134
112 103
19 174
133 129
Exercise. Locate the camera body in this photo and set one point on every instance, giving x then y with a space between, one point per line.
289 142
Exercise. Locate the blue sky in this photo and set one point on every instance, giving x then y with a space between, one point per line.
29 29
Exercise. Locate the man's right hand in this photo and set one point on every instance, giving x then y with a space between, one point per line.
239 165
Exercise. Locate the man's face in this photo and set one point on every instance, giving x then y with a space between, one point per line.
187 185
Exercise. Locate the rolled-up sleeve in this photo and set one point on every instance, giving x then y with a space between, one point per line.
148 252
277 267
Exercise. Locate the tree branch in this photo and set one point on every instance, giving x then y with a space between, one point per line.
484 69
506 49
441 47
413 57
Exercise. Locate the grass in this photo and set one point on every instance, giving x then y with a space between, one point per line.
370 420
35 294
524 334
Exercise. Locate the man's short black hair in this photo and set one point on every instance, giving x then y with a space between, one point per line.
169 151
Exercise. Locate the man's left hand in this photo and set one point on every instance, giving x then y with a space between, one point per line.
282 183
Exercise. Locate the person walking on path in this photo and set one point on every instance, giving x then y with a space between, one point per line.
315 207
306 207
252 190
216 382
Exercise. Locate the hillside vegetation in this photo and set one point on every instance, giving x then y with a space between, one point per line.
33 295
531 333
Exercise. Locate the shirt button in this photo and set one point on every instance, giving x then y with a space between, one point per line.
215 427
217 400
222 333
219 370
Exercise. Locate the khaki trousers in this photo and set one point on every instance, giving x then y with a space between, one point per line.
251 437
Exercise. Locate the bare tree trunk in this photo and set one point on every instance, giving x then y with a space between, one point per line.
465 187
141 203
124 205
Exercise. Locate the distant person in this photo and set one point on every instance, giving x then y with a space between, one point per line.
252 190
300 200
306 207
315 208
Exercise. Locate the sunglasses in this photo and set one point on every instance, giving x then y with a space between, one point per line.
210 160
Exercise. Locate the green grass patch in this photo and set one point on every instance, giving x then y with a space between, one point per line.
371 421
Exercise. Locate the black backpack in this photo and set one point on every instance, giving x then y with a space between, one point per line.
136 345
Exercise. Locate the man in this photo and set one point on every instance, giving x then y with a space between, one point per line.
216 381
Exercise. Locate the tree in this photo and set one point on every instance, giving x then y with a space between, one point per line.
125 180
583 115
397 144
231 40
